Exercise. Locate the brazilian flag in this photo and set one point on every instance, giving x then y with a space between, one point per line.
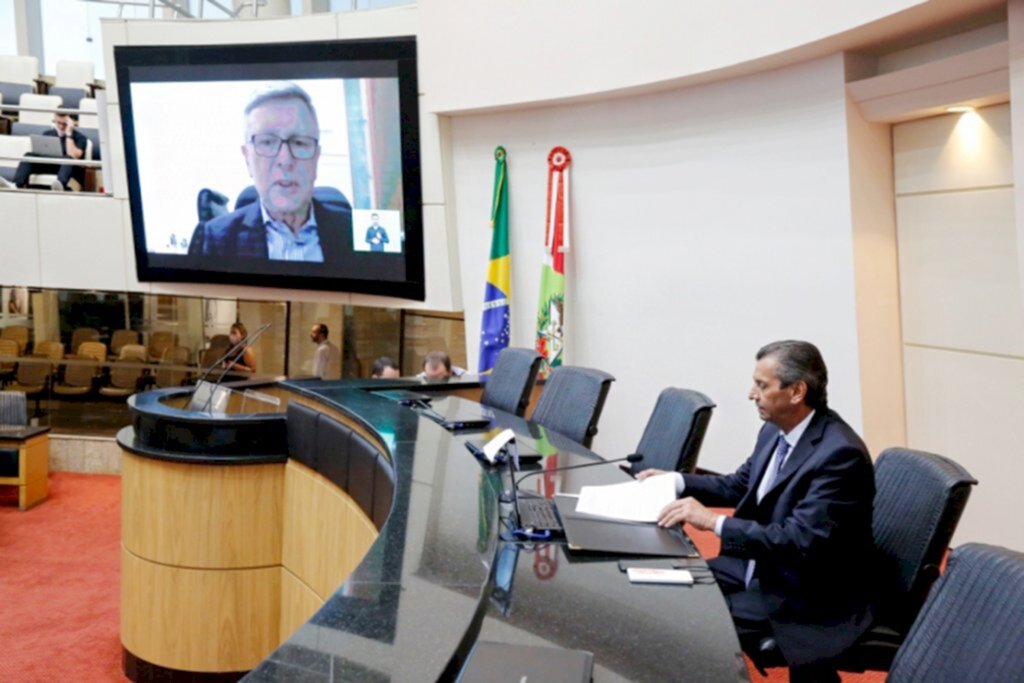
495 326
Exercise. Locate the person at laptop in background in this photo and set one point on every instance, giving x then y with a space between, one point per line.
385 367
797 557
73 144
437 365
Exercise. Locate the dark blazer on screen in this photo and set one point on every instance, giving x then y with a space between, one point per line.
810 535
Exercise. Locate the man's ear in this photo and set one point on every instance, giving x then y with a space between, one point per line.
799 392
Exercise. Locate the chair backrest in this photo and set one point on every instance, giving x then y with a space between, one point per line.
510 383
919 498
93 349
675 431
13 408
972 626
9 348
19 69
70 97
22 129
74 74
33 372
128 377
83 334
133 352
160 342
91 121
18 333
11 93
39 101
179 355
572 402
53 350
122 338
14 146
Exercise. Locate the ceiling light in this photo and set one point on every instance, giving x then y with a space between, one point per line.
960 109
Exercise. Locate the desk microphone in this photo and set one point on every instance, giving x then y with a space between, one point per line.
631 458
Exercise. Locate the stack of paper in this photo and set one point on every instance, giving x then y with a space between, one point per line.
634 501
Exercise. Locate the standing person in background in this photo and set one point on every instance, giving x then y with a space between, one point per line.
326 352
244 358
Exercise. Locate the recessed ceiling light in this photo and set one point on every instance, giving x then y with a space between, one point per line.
959 109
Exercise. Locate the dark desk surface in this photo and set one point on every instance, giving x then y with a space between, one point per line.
20 433
425 590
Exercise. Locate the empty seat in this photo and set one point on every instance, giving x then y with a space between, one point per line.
18 333
46 103
53 350
19 69
8 349
675 431
126 380
121 338
572 402
11 94
12 146
169 376
33 378
509 386
80 377
27 129
74 74
70 97
160 342
83 334
89 121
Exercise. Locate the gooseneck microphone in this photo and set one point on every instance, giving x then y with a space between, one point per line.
631 458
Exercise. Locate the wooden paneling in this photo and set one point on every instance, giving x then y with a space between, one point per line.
298 604
199 619
191 515
326 534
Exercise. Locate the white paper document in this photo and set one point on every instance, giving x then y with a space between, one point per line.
634 501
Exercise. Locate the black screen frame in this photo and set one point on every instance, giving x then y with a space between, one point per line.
275 58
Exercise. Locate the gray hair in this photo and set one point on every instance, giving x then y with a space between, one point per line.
283 90
800 361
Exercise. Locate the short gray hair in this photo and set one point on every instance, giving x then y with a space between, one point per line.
800 361
282 90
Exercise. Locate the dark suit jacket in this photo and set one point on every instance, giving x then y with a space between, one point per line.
242 234
810 535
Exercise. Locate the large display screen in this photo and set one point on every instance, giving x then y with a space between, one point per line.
281 165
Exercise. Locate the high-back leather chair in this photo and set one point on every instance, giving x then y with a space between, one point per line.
971 627
509 386
675 431
572 402
919 498
13 408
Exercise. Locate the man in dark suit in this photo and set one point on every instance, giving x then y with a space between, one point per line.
289 222
797 555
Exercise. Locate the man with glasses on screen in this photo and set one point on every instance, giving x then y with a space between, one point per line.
290 221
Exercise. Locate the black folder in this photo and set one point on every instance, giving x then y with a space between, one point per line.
501 663
586 533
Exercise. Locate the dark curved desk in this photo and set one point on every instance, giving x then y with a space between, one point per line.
425 590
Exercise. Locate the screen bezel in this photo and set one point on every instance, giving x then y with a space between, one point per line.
277 57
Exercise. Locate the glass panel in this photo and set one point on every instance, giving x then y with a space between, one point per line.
270 346
369 334
301 349
425 332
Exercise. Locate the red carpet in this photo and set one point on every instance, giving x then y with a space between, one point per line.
709 547
59 582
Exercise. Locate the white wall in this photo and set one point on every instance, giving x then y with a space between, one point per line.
706 222
963 326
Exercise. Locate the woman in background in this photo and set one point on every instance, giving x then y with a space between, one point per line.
244 358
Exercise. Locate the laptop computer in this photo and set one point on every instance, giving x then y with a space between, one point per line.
47 146
535 513
456 414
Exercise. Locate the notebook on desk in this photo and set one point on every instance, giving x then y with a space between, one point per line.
585 533
500 662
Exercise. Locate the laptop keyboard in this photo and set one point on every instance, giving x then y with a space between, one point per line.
539 514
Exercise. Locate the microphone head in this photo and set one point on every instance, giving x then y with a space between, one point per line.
634 457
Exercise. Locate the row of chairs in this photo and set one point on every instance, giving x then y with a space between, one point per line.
24 70
161 346
919 500
574 397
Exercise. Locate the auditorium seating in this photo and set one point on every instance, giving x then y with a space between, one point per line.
74 74
345 457
80 378
18 333
83 334
8 349
675 431
121 338
43 102
12 146
19 69
125 381
70 97
572 401
971 627
509 386
160 342
166 376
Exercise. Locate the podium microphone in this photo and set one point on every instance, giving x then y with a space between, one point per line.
631 458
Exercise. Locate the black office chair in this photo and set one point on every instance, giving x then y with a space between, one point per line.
971 628
919 498
510 383
572 401
675 431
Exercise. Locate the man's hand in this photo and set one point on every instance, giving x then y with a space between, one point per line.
651 472
687 510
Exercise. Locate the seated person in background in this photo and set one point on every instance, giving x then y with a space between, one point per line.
326 352
797 556
437 365
244 358
281 151
385 368
65 127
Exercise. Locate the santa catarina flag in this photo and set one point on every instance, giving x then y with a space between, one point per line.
550 341
494 326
